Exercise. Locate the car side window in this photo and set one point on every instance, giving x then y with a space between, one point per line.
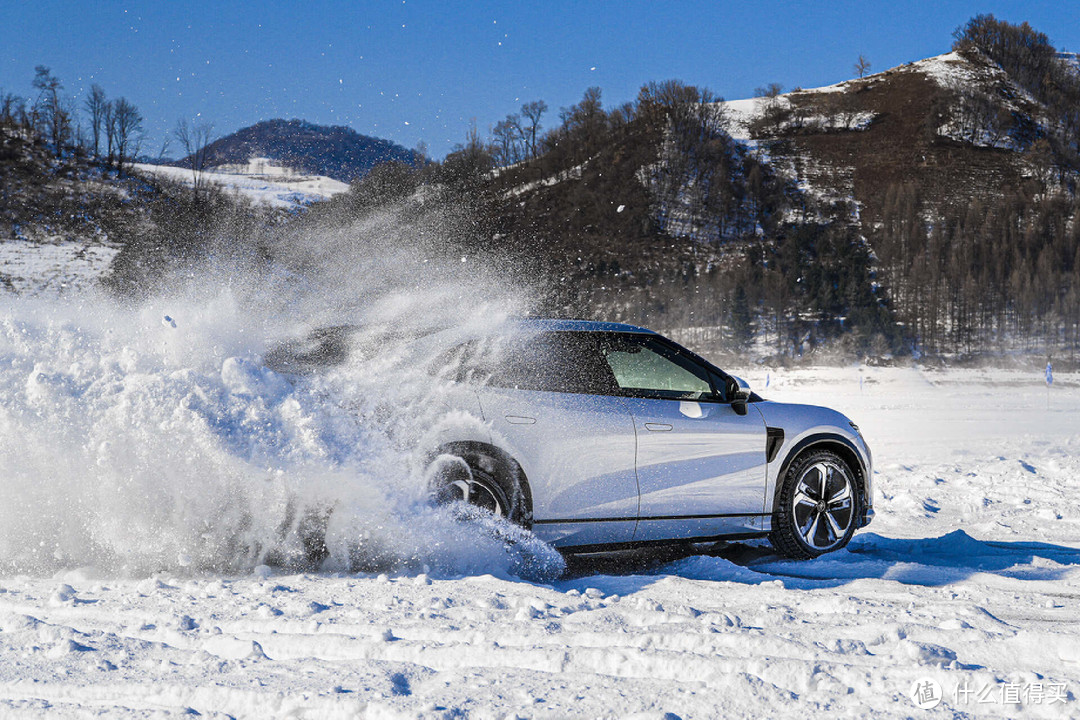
645 367
548 361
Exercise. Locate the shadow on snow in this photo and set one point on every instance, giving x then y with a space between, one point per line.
929 562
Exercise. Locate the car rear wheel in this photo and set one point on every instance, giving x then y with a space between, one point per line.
817 508
482 480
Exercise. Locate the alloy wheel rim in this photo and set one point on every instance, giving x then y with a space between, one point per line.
823 505
479 494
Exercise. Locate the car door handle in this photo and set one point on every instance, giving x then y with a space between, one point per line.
658 427
520 420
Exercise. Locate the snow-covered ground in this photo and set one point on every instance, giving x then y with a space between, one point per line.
53 267
144 452
573 173
740 116
260 182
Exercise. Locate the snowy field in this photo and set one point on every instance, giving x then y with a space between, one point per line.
274 186
54 267
123 446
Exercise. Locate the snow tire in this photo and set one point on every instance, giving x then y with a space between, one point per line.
818 506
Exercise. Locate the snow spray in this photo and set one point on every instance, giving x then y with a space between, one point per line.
150 437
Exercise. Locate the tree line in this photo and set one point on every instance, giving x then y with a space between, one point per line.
1028 57
999 272
755 257
1002 273
108 130
111 133
727 247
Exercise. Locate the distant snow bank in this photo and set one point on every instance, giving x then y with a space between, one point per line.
573 173
260 181
54 266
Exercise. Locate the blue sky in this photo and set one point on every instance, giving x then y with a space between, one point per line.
418 70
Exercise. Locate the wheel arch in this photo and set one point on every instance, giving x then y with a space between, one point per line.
503 464
823 441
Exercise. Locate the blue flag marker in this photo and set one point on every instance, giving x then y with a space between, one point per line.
767 378
1049 374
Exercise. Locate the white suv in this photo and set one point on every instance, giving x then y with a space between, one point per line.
601 435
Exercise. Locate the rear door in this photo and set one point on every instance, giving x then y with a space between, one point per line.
701 467
552 405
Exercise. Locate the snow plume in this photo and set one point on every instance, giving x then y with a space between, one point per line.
147 437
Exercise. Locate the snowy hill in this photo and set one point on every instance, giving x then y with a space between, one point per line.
333 151
851 139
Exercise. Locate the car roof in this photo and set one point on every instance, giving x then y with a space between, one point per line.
560 325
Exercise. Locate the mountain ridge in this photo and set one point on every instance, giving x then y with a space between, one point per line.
334 151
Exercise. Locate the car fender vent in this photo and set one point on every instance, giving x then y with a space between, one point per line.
774 438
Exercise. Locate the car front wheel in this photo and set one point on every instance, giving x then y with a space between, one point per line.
818 506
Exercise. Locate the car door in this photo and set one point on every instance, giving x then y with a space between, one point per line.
551 404
701 467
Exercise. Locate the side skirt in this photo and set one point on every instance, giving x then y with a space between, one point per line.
608 547
646 519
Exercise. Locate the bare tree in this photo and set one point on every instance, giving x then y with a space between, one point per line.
166 141
128 121
508 141
12 107
862 65
772 90
468 162
773 110
75 138
25 115
49 109
108 121
95 105
622 116
195 139
420 153
532 112
586 121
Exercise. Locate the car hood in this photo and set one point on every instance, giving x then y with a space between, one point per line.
799 420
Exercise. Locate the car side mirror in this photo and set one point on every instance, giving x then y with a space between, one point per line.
738 391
